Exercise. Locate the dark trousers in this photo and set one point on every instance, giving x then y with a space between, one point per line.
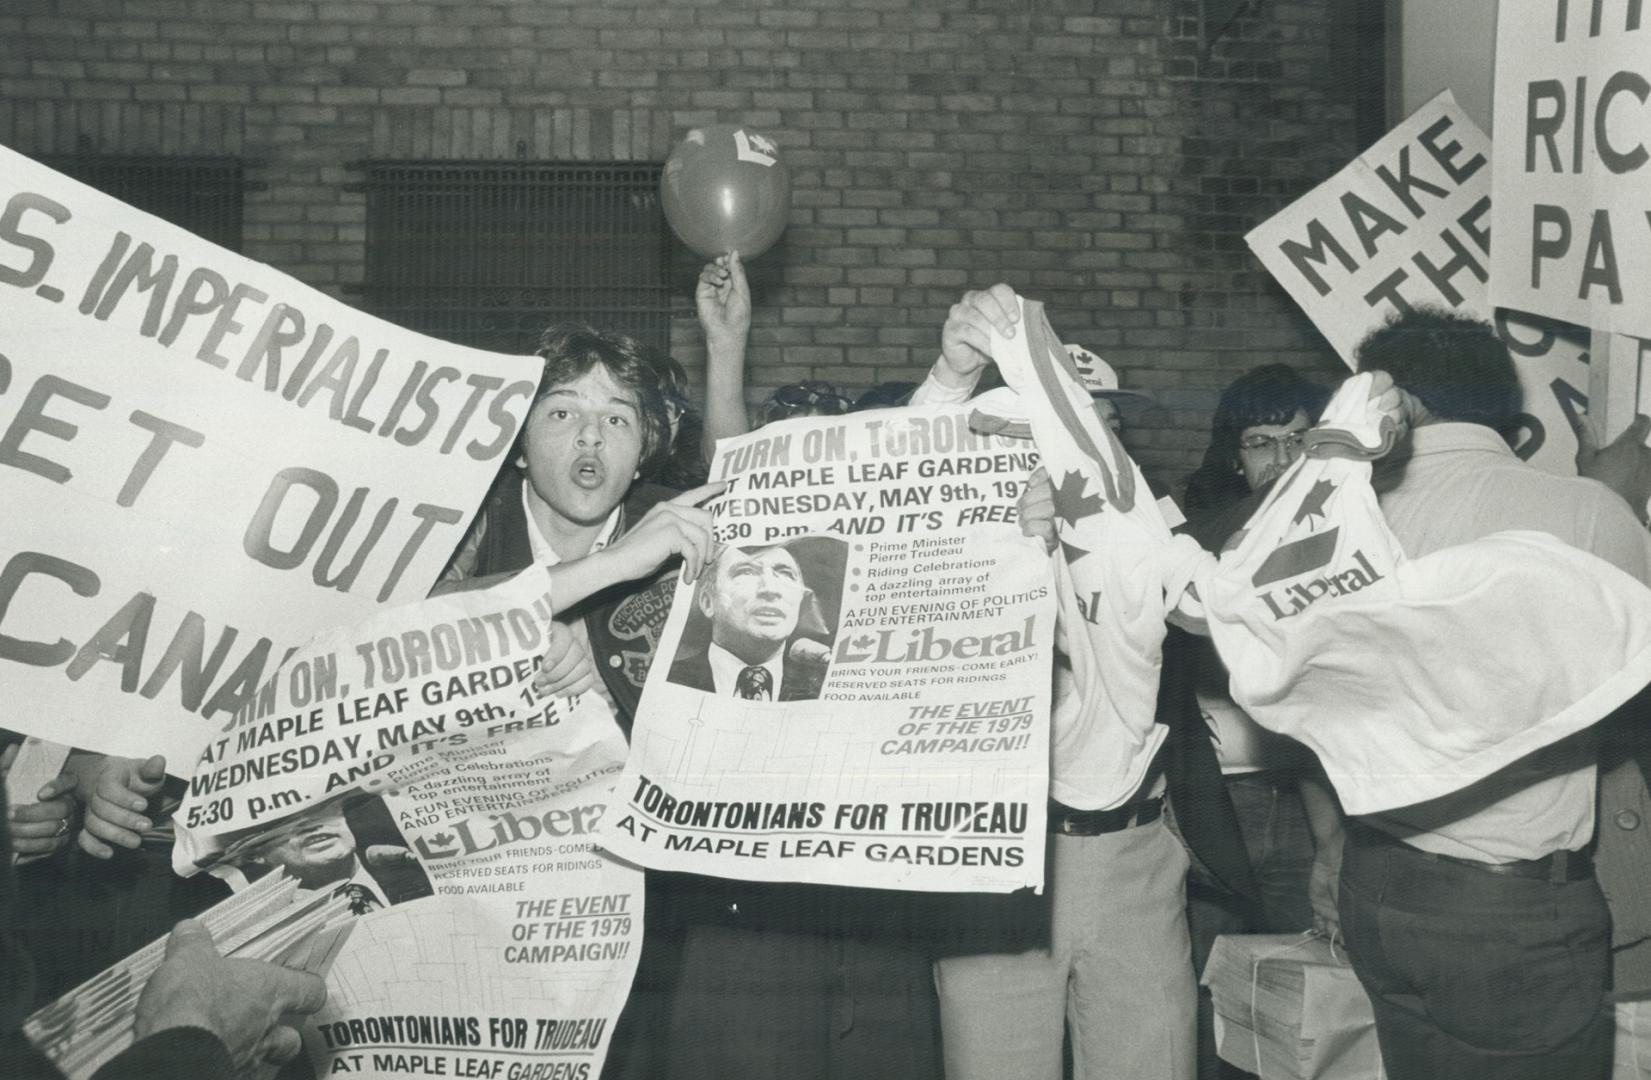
777 1005
1279 846
1473 974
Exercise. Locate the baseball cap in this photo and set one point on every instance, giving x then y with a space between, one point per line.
1098 377
998 412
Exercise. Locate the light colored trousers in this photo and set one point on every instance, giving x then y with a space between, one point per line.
1118 973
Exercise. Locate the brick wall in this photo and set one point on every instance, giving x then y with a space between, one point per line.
1101 155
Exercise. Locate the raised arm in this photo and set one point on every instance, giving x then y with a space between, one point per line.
723 301
966 344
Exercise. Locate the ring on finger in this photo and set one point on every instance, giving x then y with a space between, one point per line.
62 828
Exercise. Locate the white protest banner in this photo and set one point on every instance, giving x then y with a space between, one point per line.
1407 224
1573 119
407 763
205 462
876 600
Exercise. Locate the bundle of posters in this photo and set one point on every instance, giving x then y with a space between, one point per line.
84 1028
857 690
1288 1005
409 760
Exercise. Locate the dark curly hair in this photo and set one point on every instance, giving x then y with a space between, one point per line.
570 350
1271 394
1456 365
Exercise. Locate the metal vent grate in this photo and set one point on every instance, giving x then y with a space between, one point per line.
490 253
203 195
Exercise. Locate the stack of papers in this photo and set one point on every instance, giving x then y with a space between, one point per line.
1287 1005
84 1028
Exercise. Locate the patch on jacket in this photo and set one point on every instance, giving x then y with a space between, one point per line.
640 617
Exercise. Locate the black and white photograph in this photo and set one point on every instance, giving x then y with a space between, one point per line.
1191 455
764 620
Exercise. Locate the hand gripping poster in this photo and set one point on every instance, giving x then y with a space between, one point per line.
856 690
203 462
407 765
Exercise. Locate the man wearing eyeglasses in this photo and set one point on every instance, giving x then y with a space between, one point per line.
1282 820
1266 450
1259 428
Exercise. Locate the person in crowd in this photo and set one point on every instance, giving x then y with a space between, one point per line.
722 300
113 891
1475 921
684 462
736 979
811 397
572 490
570 502
1105 389
200 1015
1260 423
1286 819
754 599
320 850
41 828
1105 950
800 981
1622 857
792 980
723 303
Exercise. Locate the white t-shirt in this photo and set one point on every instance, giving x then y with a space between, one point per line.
545 555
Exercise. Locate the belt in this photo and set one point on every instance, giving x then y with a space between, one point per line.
1069 822
1559 867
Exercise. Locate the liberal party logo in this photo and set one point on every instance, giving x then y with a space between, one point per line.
1303 557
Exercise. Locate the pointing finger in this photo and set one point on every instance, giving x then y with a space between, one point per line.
695 496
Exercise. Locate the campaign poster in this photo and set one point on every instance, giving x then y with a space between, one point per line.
407 765
1408 224
856 691
1572 165
204 462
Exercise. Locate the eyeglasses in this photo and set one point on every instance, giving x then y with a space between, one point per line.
1290 440
812 394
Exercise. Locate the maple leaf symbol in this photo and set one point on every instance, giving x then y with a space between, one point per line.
1313 504
441 839
864 642
1072 503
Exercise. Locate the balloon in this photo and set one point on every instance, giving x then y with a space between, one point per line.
725 189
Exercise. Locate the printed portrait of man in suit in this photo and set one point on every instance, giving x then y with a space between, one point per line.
329 848
763 621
